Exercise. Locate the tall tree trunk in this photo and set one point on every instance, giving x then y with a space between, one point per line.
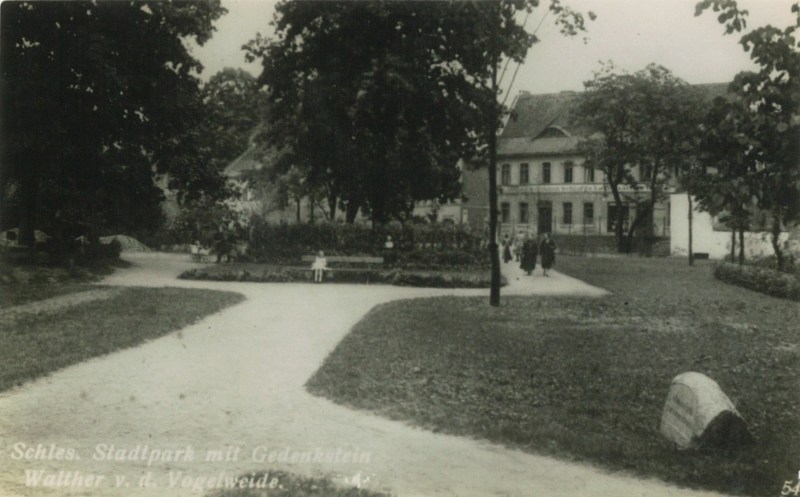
332 207
311 209
619 217
29 200
691 208
351 211
741 246
297 200
637 221
494 255
775 239
733 245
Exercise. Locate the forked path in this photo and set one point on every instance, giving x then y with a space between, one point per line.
228 392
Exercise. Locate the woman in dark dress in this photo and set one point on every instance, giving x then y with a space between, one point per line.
506 249
548 250
528 255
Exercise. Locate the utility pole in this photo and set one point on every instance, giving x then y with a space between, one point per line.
494 293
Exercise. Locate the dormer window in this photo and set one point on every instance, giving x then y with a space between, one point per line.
553 132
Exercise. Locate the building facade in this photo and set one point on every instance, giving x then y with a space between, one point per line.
544 182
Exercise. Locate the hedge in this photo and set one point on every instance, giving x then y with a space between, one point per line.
429 279
417 246
760 279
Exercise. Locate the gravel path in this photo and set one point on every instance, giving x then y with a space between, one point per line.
233 383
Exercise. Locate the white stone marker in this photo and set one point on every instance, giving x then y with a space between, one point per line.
693 402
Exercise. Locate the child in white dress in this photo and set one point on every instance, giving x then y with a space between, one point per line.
319 266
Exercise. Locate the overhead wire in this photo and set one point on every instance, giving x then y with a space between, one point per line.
519 64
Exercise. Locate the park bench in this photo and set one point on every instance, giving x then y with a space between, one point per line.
365 261
349 259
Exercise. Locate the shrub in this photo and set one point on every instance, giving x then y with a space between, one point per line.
449 258
760 279
414 244
430 279
83 254
790 265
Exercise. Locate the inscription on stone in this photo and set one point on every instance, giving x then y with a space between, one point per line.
693 402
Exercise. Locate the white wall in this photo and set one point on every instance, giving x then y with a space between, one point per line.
705 240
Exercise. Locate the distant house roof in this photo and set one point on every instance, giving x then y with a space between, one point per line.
542 125
532 114
541 146
250 160
256 157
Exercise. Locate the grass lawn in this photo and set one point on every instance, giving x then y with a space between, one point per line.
290 485
23 283
34 345
586 379
11 295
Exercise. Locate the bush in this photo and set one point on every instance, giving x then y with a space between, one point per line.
414 244
449 258
760 279
771 262
430 279
73 252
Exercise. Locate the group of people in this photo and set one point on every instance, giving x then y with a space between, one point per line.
528 250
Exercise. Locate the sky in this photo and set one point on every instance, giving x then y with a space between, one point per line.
631 33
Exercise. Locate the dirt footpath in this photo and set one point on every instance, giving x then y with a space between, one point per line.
197 407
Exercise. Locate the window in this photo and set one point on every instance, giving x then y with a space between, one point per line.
505 174
612 217
523 174
505 212
545 172
588 174
523 212
588 213
568 172
567 213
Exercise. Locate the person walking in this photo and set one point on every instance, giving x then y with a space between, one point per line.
221 244
548 251
506 249
517 246
528 255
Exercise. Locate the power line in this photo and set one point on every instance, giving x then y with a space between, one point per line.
514 76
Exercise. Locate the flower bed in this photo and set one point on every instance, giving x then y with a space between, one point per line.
286 274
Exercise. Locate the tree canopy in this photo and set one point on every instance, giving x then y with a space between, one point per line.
96 96
376 101
642 127
751 151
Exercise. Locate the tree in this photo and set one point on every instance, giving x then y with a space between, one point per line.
765 122
722 179
234 109
380 100
95 97
642 126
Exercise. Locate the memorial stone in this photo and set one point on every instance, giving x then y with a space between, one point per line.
697 412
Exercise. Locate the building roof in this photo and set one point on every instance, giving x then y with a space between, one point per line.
256 157
532 115
542 146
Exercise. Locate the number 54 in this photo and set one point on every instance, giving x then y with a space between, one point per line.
789 489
